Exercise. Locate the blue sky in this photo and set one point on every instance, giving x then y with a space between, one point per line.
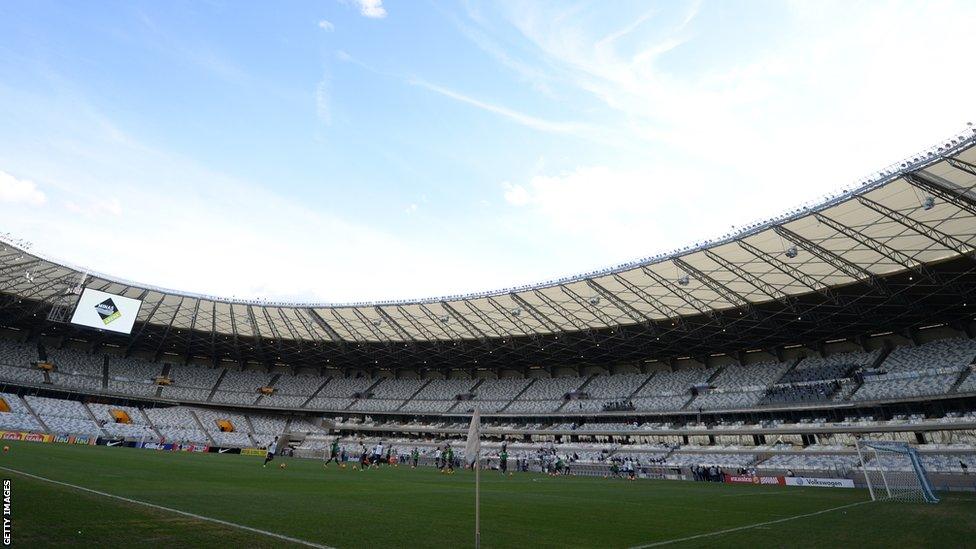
359 150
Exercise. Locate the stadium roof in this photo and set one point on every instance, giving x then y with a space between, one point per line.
916 218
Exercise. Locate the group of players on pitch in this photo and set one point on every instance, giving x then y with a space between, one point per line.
443 457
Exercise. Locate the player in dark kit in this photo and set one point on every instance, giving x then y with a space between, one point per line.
503 459
449 459
333 453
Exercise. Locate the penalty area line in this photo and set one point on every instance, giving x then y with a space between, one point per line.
170 510
748 526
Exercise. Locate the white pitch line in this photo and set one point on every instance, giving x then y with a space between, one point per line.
749 526
171 510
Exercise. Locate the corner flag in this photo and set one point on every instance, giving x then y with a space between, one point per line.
473 449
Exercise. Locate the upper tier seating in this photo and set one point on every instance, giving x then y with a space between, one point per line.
500 389
551 388
674 383
68 361
837 366
18 374
904 385
445 389
190 382
132 376
946 354
930 369
13 353
808 393
302 385
394 389
753 376
614 387
544 395
241 387
338 393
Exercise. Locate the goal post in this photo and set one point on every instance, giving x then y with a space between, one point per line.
893 471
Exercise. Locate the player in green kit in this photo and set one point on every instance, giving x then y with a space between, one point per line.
449 459
333 453
415 457
503 459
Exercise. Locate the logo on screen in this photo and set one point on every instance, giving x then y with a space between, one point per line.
108 311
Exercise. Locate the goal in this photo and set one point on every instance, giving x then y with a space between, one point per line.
894 472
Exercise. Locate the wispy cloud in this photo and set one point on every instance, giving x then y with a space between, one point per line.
165 200
20 191
323 104
326 25
516 116
95 207
746 119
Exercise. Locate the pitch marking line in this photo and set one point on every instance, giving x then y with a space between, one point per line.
749 526
171 510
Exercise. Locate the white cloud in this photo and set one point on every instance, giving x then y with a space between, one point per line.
178 224
795 113
372 8
326 25
19 191
95 207
516 195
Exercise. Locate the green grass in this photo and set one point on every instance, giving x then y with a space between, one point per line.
422 508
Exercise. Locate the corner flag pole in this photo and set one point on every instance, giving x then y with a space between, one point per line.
472 454
477 503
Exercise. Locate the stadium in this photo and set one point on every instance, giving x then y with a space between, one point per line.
760 357
804 380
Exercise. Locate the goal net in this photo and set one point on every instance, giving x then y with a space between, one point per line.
893 471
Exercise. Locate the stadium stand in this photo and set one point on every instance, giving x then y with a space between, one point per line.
194 383
338 393
292 391
132 376
64 416
130 423
19 417
240 387
545 395
176 424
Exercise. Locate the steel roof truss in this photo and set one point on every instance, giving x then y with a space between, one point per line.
955 197
536 313
727 294
627 308
934 235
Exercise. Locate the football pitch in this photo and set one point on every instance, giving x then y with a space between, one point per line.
97 496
